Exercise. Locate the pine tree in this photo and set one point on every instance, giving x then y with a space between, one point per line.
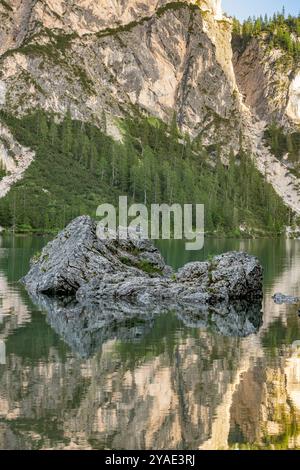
53 133
67 134
92 157
290 146
42 127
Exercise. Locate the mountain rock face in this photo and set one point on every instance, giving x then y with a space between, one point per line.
270 82
21 18
114 58
14 158
160 56
293 107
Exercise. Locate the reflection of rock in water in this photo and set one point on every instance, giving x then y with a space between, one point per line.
86 328
234 319
263 409
171 390
122 397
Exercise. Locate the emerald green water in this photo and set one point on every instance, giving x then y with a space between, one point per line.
168 386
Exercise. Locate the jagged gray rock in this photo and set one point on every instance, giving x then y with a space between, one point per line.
227 277
76 256
77 263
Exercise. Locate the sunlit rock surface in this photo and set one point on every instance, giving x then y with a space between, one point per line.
269 80
293 107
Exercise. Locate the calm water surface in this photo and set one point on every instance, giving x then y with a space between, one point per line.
166 386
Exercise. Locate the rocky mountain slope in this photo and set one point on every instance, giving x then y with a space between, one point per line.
15 159
160 58
165 57
269 79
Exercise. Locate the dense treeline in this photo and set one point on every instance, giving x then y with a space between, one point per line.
281 31
78 167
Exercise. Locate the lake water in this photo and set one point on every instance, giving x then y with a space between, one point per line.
167 386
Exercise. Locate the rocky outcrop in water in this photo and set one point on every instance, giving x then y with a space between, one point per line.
79 264
285 299
96 290
227 277
76 256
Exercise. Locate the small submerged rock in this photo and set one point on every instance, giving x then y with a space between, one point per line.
281 299
116 276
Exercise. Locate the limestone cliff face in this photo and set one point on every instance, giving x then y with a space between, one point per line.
269 79
159 56
293 107
14 22
23 17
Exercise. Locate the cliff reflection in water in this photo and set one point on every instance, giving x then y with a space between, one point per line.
153 380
